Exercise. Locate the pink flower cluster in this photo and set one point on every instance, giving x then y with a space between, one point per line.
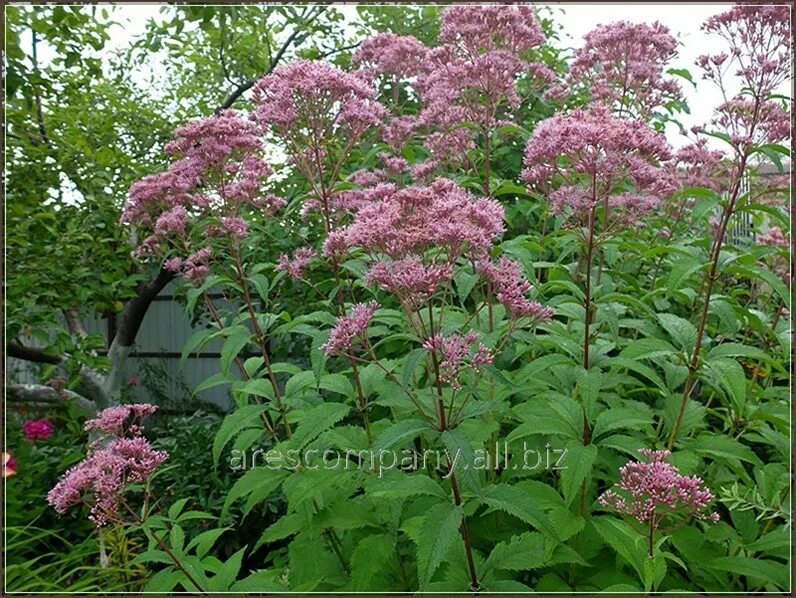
602 152
390 54
479 29
622 65
511 287
206 146
349 328
759 39
195 267
217 175
749 122
122 420
700 167
411 220
456 352
774 236
310 94
412 281
35 429
311 107
296 267
122 456
652 490
472 76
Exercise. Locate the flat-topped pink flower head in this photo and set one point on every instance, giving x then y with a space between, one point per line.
478 29
391 54
654 490
601 155
622 64
411 220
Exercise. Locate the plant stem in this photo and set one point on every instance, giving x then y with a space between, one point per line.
166 549
587 307
690 382
457 495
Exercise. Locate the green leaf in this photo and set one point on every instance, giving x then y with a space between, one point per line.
176 508
258 483
259 387
316 421
440 530
737 350
177 538
400 432
460 451
680 273
723 448
337 383
682 332
731 378
287 526
514 501
405 486
627 543
198 340
759 569
243 417
546 422
227 572
521 553
237 338
579 462
412 361
684 73
213 381
164 581
618 418
372 556
299 382
647 348
205 541
258 582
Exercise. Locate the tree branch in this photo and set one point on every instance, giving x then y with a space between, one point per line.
35 354
136 308
39 393
74 323
244 87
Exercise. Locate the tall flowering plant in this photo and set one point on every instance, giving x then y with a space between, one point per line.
602 174
428 335
416 240
752 122
199 213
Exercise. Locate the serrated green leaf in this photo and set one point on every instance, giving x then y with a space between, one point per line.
371 557
316 421
578 462
402 431
240 419
440 530
514 501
